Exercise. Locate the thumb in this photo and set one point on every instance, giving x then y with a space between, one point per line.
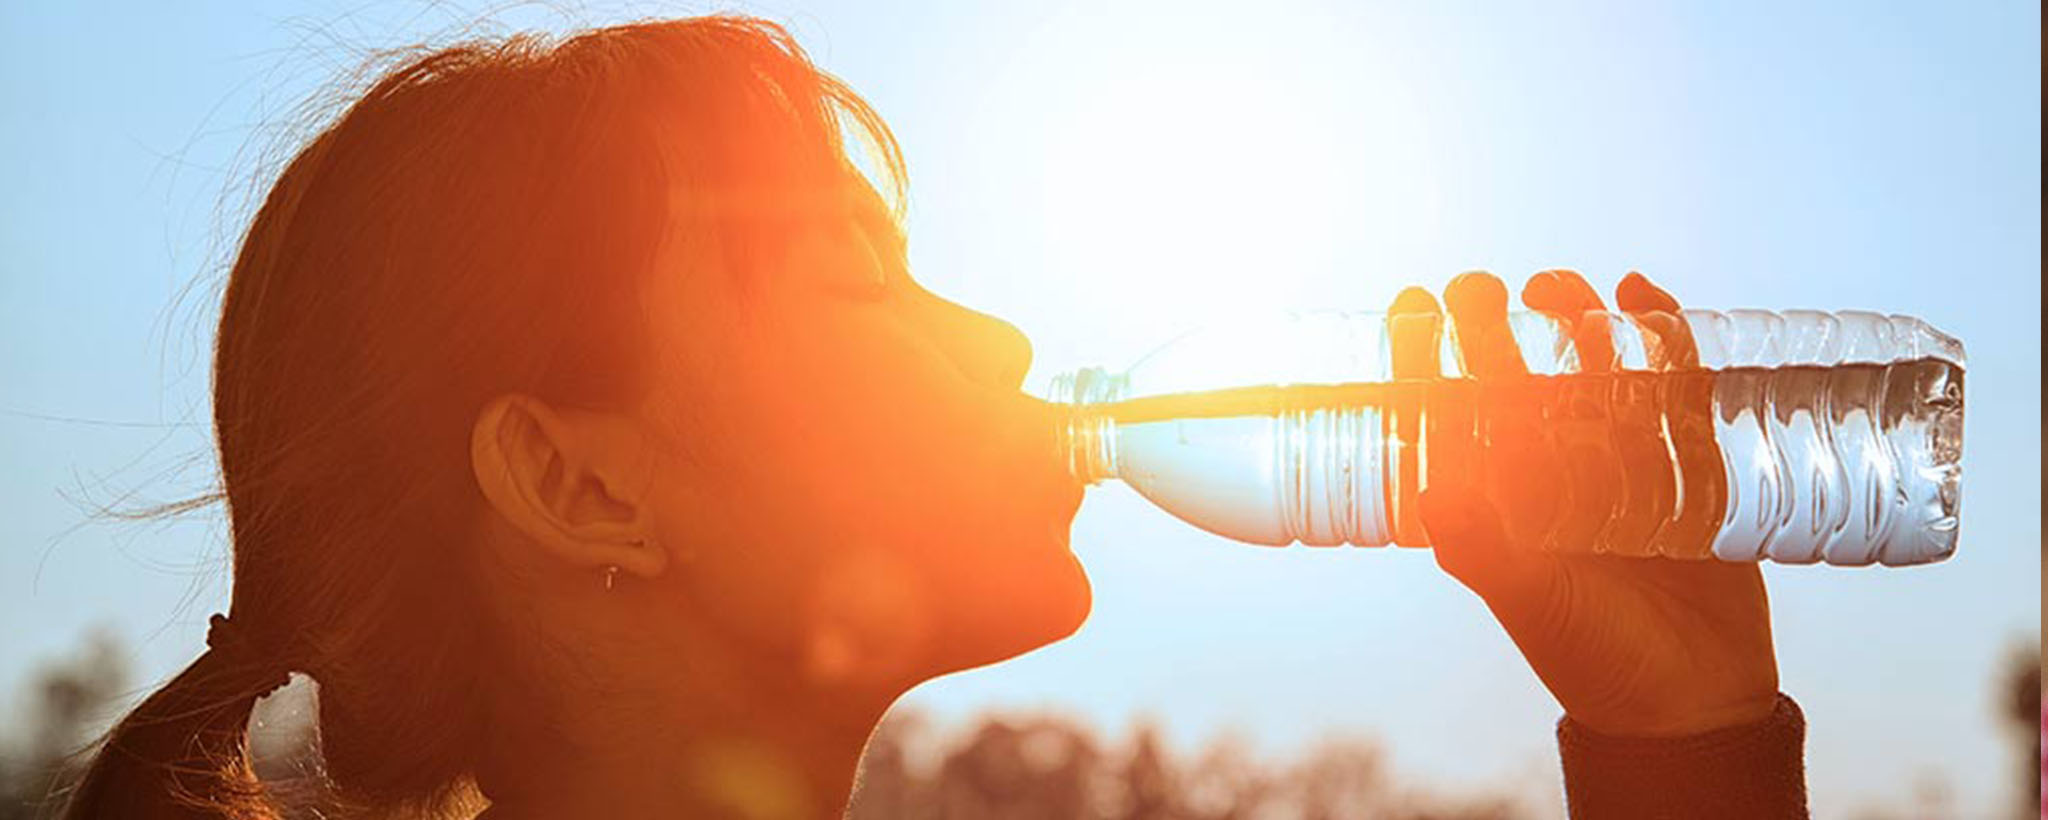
1467 535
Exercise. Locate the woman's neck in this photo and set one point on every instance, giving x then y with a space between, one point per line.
710 739
711 774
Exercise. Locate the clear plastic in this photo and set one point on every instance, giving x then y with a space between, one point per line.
1797 437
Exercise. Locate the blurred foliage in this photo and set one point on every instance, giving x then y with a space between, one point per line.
61 707
997 767
2020 715
1041 766
2023 718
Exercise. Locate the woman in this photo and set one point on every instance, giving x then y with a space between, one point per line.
585 437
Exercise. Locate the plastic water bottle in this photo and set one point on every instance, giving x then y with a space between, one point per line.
1797 437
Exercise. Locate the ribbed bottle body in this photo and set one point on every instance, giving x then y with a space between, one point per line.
1800 437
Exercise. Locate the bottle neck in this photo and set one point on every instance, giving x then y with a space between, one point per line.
1087 434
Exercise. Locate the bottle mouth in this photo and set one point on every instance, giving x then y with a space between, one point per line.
1087 433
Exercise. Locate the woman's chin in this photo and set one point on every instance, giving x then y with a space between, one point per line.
1018 619
1077 601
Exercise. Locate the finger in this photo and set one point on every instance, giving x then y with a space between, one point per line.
1414 300
1415 336
1565 296
1478 305
1636 293
1656 312
1561 290
1414 333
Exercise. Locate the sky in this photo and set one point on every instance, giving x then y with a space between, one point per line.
1105 175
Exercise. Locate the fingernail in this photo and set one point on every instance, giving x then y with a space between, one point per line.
1475 289
1414 300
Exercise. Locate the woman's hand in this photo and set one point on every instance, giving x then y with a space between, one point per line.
1629 646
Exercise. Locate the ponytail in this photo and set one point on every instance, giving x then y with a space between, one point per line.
184 752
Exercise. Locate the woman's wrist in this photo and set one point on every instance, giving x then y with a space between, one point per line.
1680 720
1754 769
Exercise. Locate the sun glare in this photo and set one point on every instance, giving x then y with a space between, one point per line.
1206 185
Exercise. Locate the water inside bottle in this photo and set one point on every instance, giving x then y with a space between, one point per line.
1798 463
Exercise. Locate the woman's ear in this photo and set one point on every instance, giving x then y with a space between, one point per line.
573 481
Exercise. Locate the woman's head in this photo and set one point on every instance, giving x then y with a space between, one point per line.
549 348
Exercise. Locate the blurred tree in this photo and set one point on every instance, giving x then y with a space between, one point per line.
1149 785
887 787
2021 714
1050 768
1225 783
67 704
1012 771
1340 778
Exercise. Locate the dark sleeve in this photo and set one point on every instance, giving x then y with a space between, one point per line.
1754 771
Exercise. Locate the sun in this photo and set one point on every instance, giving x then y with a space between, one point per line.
1198 183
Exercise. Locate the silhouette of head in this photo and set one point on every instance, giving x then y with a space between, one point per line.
602 354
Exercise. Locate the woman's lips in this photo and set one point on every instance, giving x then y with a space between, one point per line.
1041 466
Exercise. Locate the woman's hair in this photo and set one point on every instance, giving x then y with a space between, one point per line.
474 224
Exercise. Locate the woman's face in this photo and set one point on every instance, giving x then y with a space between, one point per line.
856 485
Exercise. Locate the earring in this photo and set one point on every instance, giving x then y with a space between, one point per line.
611 576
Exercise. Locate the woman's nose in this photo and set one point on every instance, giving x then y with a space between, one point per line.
989 350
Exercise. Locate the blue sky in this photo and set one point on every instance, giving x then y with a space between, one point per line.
1105 175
